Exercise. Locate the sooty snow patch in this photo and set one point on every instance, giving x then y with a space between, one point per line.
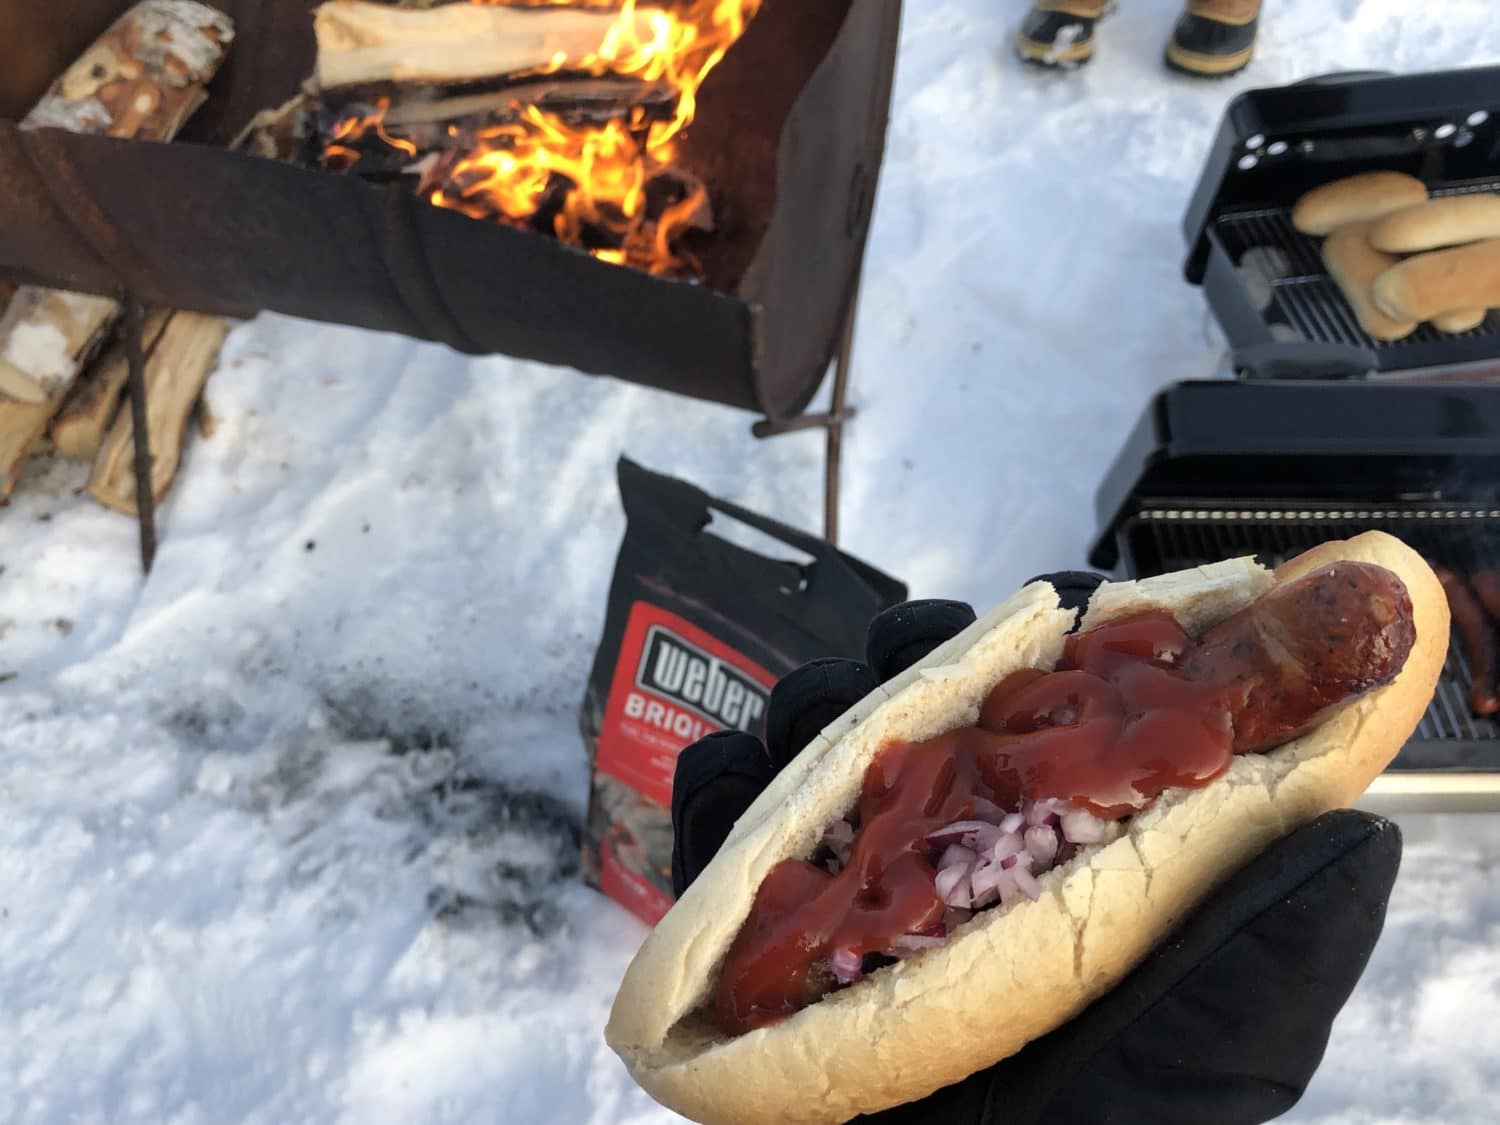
512 851
210 721
399 778
399 716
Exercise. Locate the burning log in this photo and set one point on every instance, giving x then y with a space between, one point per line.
179 365
79 427
143 78
577 101
390 134
284 132
361 42
561 119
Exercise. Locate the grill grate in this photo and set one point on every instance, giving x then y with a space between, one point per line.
1302 297
1467 539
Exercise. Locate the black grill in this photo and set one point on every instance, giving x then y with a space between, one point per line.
1282 315
1284 272
1464 538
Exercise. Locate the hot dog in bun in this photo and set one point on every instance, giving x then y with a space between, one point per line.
985 845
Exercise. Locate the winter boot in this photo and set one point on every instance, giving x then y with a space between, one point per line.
1060 33
1214 38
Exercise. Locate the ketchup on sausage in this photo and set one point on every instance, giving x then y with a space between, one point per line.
1133 708
1109 730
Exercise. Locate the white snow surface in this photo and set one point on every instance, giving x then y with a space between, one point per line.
286 832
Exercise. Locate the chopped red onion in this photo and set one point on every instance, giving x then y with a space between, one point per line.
1046 812
1079 826
1026 882
847 965
955 833
1041 842
991 856
1006 845
958 855
838 838
953 886
839 834
988 877
1010 889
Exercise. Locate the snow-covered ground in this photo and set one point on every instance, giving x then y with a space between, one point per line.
288 832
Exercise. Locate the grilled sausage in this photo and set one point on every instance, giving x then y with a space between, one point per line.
1478 636
1304 649
1486 585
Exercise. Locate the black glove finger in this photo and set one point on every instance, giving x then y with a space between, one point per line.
716 780
906 633
1229 1019
1074 587
808 699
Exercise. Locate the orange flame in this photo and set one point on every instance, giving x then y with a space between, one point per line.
588 182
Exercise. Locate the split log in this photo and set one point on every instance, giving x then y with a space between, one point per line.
391 131
284 132
179 365
86 414
141 79
22 425
361 42
46 337
579 101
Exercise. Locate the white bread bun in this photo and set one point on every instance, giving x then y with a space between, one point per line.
1441 281
1464 320
1450 221
1354 264
1356 199
1011 974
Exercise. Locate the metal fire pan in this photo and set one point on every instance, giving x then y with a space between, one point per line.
790 135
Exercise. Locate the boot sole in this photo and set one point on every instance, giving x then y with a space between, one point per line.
1049 55
1199 65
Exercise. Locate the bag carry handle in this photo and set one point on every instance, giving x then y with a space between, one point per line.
680 510
687 507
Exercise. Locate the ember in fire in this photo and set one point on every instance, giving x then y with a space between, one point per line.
607 180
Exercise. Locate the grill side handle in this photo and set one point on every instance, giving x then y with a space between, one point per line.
1308 359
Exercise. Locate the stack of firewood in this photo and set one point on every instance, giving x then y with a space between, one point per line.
64 357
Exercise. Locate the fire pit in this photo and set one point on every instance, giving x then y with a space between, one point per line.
786 145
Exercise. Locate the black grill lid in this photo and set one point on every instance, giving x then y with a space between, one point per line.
1331 442
1277 143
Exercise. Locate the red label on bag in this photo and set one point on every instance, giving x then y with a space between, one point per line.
629 888
673 685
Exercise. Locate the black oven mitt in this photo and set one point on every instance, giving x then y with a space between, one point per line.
1225 1022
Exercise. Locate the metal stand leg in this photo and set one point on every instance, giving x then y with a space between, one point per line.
145 502
837 416
831 422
